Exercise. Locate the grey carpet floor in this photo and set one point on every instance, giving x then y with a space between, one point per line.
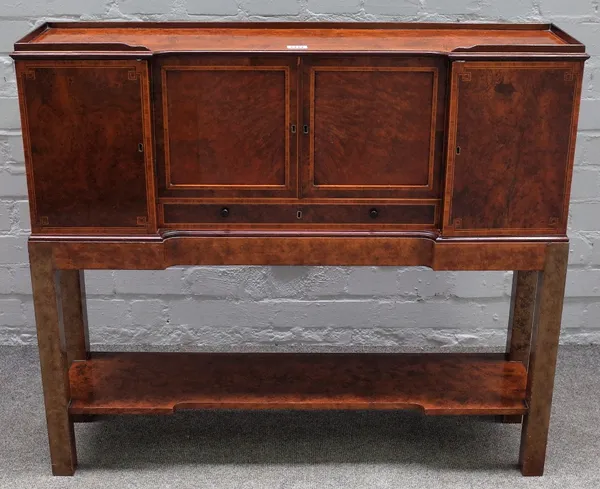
285 450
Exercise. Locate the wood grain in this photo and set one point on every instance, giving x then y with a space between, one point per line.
375 126
53 360
223 126
542 361
72 301
280 248
393 107
371 216
298 144
510 147
318 37
226 126
520 321
79 112
160 383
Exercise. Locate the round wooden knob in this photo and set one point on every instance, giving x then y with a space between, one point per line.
373 213
224 212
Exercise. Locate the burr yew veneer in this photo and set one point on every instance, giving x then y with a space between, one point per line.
160 144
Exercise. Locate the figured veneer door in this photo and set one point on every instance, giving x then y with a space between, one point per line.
87 140
511 144
224 126
373 126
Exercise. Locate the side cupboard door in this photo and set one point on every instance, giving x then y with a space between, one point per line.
372 126
225 126
88 145
511 142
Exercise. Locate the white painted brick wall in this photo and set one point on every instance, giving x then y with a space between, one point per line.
225 307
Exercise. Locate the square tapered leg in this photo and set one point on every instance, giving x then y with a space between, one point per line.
520 323
542 360
74 314
62 337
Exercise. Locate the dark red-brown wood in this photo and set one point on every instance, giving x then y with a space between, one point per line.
376 215
328 248
374 126
50 324
72 302
330 124
160 383
223 126
77 112
520 320
151 145
510 147
542 361
317 37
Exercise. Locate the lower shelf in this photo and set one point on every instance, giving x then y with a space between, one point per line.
160 383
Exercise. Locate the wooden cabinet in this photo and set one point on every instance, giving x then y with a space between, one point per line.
160 144
464 131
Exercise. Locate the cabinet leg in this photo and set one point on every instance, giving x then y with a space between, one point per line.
53 358
520 323
74 314
542 360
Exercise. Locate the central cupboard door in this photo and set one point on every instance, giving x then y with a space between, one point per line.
225 126
373 126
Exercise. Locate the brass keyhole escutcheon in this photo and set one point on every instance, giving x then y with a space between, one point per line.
298 214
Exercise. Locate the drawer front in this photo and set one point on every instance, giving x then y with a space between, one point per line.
375 127
223 126
421 216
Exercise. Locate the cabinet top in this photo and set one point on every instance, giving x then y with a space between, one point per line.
152 37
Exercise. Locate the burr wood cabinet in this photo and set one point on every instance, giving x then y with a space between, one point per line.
158 144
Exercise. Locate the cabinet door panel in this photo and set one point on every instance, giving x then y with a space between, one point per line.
224 126
375 127
87 138
511 145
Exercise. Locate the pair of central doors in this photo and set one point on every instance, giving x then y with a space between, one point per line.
298 127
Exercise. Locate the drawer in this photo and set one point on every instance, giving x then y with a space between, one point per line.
421 215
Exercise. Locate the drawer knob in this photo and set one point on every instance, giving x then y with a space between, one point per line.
373 213
224 212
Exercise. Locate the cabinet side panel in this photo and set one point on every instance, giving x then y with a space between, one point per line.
87 145
511 146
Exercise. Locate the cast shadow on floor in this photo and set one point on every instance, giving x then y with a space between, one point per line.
298 437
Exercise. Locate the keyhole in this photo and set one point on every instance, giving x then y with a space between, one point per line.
299 215
141 148
458 150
